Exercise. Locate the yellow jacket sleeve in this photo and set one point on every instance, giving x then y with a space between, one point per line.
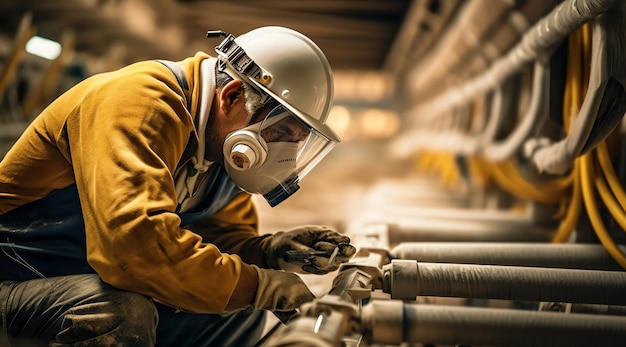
234 229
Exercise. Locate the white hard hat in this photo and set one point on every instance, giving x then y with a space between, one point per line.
289 67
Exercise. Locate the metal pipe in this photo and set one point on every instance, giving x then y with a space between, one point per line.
611 310
406 279
418 32
393 322
415 230
569 256
461 44
411 211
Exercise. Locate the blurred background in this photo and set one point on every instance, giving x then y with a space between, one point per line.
484 121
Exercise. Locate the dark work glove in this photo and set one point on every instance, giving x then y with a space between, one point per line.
326 249
280 291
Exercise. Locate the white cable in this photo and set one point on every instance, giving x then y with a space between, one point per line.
604 102
500 151
538 42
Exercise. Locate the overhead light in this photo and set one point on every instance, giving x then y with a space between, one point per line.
340 120
369 86
379 123
43 47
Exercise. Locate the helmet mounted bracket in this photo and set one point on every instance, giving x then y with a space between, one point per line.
235 55
239 61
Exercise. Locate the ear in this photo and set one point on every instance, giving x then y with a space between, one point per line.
229 94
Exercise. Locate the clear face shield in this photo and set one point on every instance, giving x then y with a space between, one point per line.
270 157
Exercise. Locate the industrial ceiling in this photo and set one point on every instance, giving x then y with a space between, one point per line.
355 34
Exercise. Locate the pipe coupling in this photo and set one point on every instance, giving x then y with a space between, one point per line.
400 279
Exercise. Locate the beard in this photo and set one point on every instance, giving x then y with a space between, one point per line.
214 142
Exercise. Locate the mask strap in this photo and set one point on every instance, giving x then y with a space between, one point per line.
186 181
207 71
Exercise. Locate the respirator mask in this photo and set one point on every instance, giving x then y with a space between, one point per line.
270 157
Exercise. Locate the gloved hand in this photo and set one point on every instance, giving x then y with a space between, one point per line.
309 238
280 291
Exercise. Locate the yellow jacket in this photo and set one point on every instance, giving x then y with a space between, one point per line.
119 136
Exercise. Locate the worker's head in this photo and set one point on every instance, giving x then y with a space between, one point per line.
287 85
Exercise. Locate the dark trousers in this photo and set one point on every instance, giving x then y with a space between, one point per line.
81 310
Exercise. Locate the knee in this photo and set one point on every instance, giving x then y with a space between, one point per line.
118 319
139 312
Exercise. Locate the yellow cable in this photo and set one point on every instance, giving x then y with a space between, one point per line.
585 38
609 201
578 46
442 164
587 177
577 72
571 101
602 181
568 223
478 171
451 172
609 172
424 161
606 194
508 177
557 185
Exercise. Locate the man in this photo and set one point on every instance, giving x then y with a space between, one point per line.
126 216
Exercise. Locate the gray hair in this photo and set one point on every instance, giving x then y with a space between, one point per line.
252 96
253 99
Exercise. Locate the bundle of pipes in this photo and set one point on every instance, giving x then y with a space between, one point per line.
568 273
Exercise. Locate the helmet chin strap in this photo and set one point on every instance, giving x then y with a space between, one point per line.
186 178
